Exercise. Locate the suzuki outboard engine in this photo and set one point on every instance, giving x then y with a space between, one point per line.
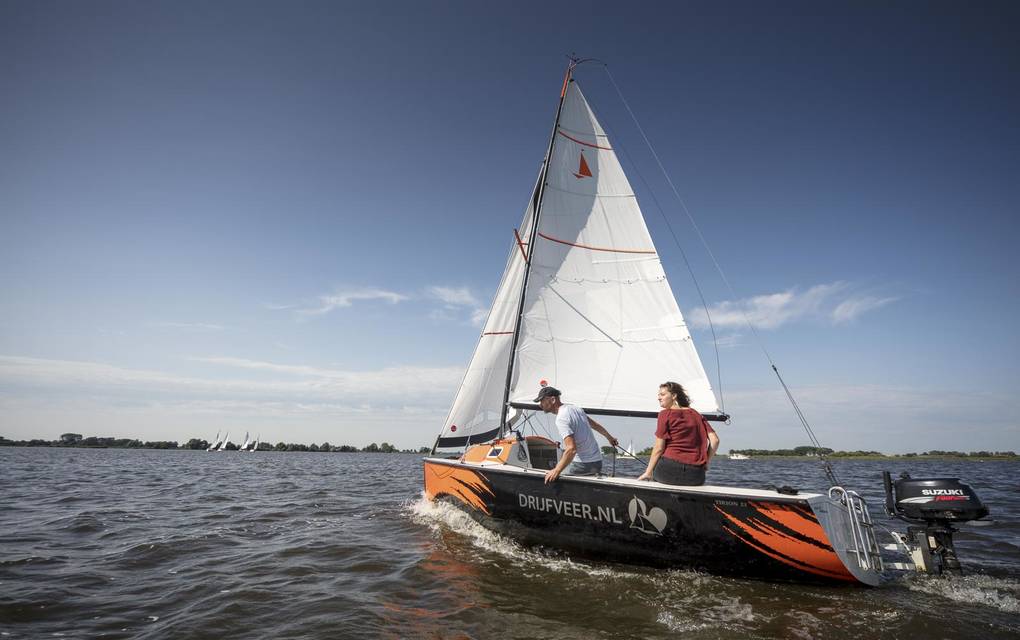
935 505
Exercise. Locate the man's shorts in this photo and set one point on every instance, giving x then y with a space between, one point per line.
585 468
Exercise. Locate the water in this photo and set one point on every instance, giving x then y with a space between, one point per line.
189 544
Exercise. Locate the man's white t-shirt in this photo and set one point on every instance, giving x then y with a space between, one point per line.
572 421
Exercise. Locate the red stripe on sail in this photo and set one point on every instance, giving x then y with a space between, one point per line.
587 144
584 246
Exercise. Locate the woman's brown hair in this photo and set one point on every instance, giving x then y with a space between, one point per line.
678 392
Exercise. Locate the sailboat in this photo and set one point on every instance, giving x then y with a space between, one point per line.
258 441
584 305
216 442
223 445
247 442
630 449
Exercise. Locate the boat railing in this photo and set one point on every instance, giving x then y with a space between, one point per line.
862 529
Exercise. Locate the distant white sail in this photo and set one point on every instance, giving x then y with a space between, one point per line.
258 441
247 441
215 443
226 439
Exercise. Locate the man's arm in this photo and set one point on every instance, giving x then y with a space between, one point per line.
568 455
596 426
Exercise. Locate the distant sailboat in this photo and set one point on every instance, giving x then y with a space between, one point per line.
247 442
630 449
226 439
258 441
215 443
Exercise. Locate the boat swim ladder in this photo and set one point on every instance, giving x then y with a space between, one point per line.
862 529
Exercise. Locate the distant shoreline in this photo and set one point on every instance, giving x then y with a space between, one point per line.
77 441
885 457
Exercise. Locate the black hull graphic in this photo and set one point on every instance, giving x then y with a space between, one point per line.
755 536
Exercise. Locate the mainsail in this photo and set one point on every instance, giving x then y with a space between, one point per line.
599 321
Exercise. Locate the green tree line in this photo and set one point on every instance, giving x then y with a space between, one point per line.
195 444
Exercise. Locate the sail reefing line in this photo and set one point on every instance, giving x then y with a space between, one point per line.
590 248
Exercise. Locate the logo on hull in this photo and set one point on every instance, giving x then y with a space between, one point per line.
644 520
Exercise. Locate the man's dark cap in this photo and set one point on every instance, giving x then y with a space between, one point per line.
546 392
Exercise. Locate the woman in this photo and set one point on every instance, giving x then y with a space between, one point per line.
684 442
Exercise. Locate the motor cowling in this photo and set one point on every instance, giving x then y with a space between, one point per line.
935 505
934 500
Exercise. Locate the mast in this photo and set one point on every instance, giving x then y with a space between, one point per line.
537 202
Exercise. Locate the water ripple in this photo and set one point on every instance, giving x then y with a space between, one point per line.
158 544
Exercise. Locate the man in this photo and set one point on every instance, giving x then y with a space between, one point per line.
575 428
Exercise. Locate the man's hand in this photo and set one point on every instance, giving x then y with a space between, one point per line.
551 475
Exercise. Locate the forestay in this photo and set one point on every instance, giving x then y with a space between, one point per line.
600 321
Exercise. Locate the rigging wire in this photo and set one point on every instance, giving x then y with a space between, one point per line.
827 467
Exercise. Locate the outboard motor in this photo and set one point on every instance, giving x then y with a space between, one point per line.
935 505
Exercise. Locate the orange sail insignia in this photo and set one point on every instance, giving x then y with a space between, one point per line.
583 171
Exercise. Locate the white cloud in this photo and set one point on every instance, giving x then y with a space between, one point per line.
389 387
835 302
455 301
343 299
890 419
849 310
190 326
457 297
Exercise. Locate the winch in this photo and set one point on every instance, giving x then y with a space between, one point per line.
933 506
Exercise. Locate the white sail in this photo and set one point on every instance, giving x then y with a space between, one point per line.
258 441
476 410
226 439
216 442
247 441
600 320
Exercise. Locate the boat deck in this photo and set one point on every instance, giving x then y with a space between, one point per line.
743 492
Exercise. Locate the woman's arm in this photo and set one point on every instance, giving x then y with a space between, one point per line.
660 446
713 445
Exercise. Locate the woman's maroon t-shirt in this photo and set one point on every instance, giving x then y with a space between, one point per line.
686 434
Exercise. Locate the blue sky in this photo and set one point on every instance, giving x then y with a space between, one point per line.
287 218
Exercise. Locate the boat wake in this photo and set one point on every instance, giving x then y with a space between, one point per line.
441 517
998 593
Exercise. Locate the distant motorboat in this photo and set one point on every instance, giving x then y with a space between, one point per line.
739 456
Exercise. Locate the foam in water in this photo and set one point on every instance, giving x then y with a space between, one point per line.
998 593
441 515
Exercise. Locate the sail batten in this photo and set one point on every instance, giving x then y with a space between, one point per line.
598 318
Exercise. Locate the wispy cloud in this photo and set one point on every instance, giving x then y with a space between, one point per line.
836 302
924 418
849 310
424 386
455 301
454 296
190 326
343 299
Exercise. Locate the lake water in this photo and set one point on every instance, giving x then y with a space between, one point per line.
189 544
